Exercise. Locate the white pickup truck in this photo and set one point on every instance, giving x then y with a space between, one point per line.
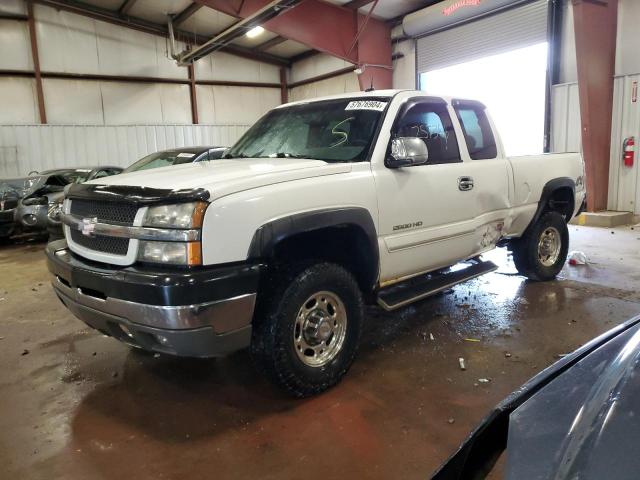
321 207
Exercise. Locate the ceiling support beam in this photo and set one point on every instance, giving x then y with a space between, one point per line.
125 7
135 79
186 13
261 15
270 43
109 16
596 55
356 4
36 63
309 24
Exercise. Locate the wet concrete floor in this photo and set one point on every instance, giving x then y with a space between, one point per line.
77 405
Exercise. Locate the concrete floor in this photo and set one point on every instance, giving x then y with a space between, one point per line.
77 405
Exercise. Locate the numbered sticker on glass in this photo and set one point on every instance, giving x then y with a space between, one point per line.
366 105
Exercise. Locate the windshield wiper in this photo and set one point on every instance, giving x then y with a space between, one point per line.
228 155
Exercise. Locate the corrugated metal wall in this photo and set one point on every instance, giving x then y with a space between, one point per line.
24 148
624 182
565 118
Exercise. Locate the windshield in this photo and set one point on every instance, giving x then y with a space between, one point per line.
75 176
161 159
333 131
12 187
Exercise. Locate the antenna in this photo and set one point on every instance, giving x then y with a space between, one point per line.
370 89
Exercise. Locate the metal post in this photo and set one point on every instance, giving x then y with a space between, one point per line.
36 62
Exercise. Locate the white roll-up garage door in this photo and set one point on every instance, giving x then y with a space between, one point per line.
513 28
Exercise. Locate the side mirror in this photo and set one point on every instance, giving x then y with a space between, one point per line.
407 152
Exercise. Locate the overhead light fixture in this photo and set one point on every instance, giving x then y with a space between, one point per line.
255 31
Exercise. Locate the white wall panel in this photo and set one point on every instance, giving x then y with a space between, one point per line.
13 6
24 148
66 42
147 103
628 38
568 68
404 69
73 101
316 65
347 82
219 104
17 100
15 47
565 118
222 66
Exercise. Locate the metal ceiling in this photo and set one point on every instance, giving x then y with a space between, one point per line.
198 24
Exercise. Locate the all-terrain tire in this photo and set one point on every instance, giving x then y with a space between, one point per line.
531 257
276 345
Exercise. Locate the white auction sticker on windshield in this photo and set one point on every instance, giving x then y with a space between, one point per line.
366 105
185 155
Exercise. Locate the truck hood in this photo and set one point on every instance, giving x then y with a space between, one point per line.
223 177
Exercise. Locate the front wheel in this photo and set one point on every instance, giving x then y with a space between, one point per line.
308 330
541 252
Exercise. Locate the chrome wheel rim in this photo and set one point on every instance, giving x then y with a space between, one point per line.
320 329
549 246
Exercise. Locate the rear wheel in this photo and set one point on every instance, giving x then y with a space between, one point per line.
308 329
541 252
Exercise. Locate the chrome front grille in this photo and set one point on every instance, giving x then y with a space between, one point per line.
116 213
103 248
99 243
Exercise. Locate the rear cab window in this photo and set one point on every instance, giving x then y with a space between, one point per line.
476 128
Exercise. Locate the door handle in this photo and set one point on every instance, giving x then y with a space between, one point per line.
465 183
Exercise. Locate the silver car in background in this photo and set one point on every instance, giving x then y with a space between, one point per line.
44 190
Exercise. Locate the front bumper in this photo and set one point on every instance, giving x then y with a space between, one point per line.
204 312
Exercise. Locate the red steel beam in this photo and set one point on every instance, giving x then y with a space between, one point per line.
36 62
596 55
192 94
330 29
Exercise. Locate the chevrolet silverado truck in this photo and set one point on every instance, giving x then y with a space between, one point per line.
322 206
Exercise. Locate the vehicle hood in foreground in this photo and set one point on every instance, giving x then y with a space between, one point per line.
586 423
223 177
577 419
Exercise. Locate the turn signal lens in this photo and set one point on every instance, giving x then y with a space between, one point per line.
170 253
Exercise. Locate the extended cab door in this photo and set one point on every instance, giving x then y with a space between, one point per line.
490 177
426 212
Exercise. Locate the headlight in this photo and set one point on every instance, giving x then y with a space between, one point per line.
172 253
181 215
55 209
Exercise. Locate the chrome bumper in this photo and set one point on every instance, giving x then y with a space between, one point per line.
223 315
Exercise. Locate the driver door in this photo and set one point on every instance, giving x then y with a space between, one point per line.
425 212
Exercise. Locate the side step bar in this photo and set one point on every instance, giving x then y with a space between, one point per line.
417 288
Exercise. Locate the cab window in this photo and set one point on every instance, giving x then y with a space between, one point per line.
477 130
430 122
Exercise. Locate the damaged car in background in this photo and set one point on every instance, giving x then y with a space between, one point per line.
575 420
44 191
164 158
11 191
